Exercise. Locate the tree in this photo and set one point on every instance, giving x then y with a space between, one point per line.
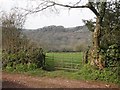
110 39
17 49
110 26
11 29
98 8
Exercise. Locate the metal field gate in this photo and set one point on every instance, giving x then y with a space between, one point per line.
56 62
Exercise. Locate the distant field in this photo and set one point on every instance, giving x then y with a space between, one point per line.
77 55
64 60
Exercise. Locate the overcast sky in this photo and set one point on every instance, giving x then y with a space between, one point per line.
65 18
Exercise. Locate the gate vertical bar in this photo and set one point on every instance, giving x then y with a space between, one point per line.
0 55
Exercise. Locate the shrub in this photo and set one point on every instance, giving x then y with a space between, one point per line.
113 55
9 68
32 66
21 67
23 57
89 73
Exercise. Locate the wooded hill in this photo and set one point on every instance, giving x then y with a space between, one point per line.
59 38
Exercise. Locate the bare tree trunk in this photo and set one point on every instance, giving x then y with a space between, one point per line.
96 35
95 51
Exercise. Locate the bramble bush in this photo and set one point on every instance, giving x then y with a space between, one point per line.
113 55
90 73
24 59
111 72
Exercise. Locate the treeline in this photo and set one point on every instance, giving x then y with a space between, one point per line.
59 38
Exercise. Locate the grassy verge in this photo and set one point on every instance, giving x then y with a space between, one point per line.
86 73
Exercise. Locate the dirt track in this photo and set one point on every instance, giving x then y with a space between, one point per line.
25 81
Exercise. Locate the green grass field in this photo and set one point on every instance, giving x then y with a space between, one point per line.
66 54
64 60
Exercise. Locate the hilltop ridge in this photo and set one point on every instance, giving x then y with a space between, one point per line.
59 38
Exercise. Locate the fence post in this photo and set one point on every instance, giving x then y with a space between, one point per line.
71 63
62 63
53 61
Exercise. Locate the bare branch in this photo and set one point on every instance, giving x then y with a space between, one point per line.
43 8
69 6
77 3
102 11
93 9
47 4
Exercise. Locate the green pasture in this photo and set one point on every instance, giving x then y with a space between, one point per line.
65 54
63 60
